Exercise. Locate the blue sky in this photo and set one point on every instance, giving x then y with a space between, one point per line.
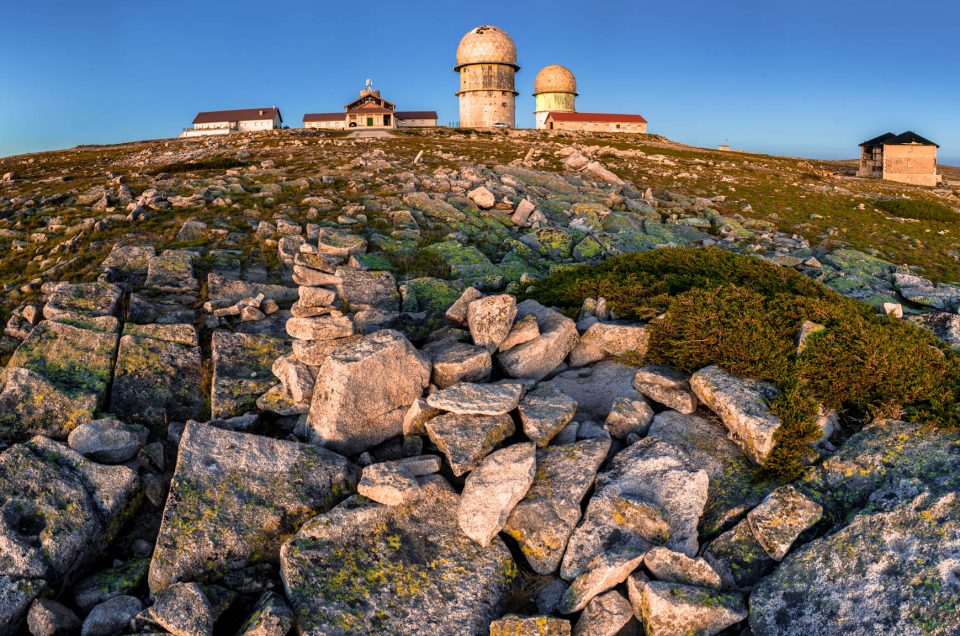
812 78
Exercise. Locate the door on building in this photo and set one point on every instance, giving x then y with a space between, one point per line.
386 120
369 121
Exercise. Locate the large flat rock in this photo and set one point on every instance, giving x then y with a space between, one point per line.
365 568
241 370
596 390
80 301
892 572
57 378
59 512
157 375
235 497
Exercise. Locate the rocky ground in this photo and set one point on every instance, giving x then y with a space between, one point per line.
292 381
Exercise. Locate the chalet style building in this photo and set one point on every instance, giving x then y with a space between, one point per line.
906 158
224 122
370 110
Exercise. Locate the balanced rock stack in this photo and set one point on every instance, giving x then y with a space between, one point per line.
317 328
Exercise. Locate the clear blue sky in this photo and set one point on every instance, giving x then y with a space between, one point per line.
812 78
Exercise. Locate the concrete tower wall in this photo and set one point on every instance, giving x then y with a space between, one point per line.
555 102
487 95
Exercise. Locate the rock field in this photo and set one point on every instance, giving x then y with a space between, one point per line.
294 383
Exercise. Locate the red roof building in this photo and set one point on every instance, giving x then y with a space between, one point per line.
596 122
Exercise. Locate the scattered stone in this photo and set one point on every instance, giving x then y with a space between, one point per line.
108 441
607 339
466 439
104 585
363 391
171 272
59 512
738 557
550 595
523 330
780 518
50 618
467 398
808 330
513 625
490 320
394 482
605 615
670 608
374 568
320 328
493 489
455 362
667 386
628 416
457 313
111 617
82 301
675 567
743 405
944 325
373 297
544 412
604 572
183 610
544 519
234 496
271 616
417 416
597 388
734 486
536 358
482 197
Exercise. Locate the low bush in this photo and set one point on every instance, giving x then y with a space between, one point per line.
745 315
919 209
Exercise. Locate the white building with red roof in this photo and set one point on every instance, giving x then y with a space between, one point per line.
224 122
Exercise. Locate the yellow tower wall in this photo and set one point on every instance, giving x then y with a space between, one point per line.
555 102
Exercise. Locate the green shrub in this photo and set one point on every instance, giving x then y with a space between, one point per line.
640 286
745 314
919 209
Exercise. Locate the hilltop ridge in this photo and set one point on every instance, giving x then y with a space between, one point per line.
489 383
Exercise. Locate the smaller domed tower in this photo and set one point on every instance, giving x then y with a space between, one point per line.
487 64
555 89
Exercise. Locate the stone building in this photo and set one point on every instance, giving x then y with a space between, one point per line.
555 90
596 122
907 158
487 64
224 122
370 110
